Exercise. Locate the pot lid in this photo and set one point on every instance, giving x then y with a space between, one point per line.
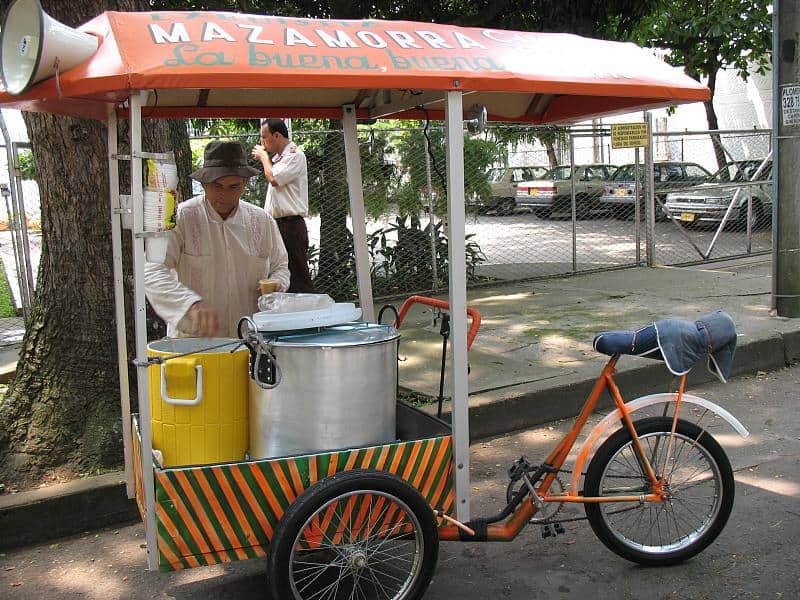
352 334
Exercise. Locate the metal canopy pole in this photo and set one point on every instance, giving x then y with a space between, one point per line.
650 197
357 212
140 322
119 298
458 299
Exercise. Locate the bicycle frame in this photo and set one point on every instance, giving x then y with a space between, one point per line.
508 530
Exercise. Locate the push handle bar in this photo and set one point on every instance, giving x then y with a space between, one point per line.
435 302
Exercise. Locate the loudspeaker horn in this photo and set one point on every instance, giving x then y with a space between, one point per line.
35 46
476 118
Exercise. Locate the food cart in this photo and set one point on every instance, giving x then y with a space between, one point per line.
212 64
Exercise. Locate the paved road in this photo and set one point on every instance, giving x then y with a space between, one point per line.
522 245
756 556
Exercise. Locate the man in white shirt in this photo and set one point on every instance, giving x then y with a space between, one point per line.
208 277
287 196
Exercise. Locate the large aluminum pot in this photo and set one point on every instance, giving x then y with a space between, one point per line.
336 389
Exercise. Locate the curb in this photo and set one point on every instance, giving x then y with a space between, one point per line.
70 508
64 509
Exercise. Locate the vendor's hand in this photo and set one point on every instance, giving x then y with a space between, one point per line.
205 319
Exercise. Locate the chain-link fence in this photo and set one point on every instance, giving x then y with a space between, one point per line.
530 214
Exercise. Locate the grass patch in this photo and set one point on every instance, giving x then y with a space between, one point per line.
7 308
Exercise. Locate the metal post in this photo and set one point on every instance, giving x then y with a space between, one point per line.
19 239
23 234
434 264
119 299
637 191
649 205
749 219
140 322
572 203
786 209
15 243
357 213
458 299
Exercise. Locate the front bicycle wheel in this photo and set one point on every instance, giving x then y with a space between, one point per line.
357 534
698 479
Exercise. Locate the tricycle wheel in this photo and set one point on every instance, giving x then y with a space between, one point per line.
697 477
357 534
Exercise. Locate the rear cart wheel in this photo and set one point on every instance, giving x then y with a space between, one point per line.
357 534
698 479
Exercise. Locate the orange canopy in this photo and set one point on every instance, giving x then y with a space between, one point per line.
206 64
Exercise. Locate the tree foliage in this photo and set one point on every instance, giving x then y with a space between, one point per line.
708 35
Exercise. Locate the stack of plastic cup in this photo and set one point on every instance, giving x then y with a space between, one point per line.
159 210
161 175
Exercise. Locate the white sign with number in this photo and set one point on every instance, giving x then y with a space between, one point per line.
790 105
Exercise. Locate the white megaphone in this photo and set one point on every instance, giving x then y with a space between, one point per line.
35 46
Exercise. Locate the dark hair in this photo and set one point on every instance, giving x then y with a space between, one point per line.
277 126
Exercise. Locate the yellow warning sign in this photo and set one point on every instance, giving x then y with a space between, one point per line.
628 135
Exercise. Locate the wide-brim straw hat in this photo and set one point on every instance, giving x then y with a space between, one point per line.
222 159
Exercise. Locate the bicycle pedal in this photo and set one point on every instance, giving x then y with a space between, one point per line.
552 530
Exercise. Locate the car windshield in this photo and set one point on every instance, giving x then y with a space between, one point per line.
625 173
495 174
741 171
559 173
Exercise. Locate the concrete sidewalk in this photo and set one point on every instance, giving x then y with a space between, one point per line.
532 362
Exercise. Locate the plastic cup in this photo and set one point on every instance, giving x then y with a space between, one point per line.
268 286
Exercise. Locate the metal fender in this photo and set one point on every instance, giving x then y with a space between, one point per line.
601 430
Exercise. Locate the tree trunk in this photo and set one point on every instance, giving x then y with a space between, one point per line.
62 408
336 258
713 124
552 158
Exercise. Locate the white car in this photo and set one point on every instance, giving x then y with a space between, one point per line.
707 203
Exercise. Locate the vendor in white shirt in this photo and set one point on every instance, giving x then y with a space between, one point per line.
218 251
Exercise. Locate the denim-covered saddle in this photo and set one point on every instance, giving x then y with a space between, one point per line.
680 344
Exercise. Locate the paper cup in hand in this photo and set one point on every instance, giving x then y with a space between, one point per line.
268 286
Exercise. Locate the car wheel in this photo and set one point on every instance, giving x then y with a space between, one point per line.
506 206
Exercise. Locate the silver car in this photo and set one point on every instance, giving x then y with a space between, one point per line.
503 184
707 203
618 195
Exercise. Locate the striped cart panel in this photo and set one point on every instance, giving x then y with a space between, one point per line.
225 512
138 482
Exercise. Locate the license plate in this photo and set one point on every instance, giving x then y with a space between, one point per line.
532 191
688 217
621 192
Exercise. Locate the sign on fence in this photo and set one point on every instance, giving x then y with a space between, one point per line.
628 135
790 105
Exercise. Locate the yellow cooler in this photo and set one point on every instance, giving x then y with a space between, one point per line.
198 402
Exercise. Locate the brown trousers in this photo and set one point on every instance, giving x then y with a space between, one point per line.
295 238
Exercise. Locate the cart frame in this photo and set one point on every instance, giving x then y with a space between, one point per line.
496 68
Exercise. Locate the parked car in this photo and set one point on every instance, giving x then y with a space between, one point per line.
617 196
552 194
707 203
503 183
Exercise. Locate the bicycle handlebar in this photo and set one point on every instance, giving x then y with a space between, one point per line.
435 302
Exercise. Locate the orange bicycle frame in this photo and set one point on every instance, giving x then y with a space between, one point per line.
509 529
